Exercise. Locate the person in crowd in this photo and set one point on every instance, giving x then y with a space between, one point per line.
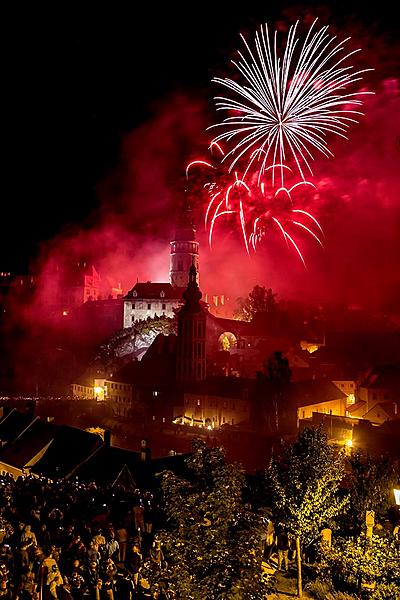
135 563
50 545
122 539
282 544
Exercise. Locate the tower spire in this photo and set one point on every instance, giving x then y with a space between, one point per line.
184 247
191 343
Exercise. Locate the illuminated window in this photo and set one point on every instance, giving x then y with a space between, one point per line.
155 393
198 402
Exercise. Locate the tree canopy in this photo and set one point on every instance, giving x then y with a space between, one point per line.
304 481
372 482
212 545
260 301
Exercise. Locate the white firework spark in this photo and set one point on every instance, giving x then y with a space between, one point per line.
287 106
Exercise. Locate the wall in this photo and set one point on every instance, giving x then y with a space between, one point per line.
137 309
120 397
216 409
338 407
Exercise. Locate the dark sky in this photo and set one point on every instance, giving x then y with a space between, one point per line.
75 82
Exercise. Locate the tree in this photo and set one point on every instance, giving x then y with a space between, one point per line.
277 368
279 374
260 301
372 482
212 546
304 483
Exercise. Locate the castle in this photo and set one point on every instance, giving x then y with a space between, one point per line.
152 299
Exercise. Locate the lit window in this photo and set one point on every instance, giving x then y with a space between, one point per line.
155 393
198 402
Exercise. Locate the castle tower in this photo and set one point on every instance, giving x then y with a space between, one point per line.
191 341
184 249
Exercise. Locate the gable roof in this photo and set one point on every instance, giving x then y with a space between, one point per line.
386 408
357 406
20 452
156 290
314 391
383 377
69 448
13 424
105 465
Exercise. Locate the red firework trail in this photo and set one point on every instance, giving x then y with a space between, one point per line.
254 207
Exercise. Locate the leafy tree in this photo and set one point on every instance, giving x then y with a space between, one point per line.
260 301
212 546
372 482
304 482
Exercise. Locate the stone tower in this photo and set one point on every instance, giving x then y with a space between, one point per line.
191 342
184 249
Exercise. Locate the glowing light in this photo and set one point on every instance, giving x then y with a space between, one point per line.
349 443
396 496
98 390
287 105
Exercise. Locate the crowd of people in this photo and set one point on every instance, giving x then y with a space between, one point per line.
70 540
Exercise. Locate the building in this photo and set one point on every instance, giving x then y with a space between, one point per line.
319 396
146 388
149 300
381 384
80 282
152 299
215 402
89 387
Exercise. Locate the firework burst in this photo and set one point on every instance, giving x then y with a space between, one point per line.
253 207
287 106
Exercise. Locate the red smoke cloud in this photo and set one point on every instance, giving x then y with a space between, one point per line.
127 236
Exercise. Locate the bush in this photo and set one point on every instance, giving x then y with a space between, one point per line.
319 589
353 562
324 591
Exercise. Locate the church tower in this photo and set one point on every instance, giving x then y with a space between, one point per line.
184 249
191 340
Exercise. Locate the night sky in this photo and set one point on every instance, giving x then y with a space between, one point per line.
76 83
